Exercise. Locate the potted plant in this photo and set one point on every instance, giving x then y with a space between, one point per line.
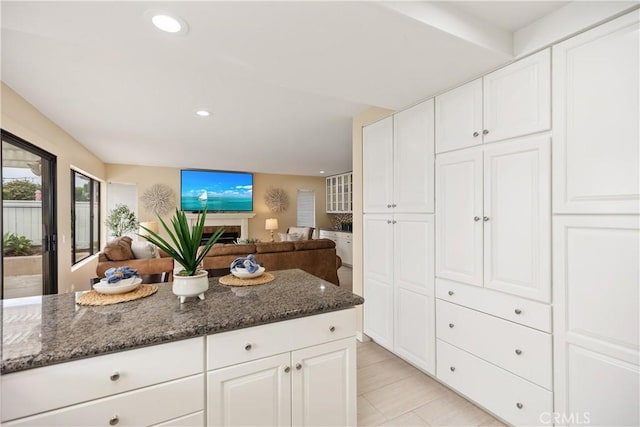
186 251
121 220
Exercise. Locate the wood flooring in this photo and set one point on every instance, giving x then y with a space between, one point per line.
393 393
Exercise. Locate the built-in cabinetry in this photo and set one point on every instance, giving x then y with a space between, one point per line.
137 387
340 193
493 209
507 103
398 234
344 245
596 229
398 162
295 372
285 376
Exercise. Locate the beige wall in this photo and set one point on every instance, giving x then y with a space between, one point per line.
22 119
365 117
146 176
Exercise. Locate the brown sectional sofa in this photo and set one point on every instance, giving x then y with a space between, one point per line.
317 257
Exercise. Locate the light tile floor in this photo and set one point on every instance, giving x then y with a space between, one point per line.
393 393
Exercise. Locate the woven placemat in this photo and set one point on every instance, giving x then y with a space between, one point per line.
231 280
95 298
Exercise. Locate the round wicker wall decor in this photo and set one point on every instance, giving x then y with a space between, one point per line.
276 199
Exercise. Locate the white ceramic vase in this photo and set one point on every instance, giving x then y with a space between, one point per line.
190 286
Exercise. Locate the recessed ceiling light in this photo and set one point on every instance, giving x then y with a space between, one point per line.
203 113
166 22
321 171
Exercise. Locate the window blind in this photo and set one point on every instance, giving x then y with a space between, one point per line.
306 208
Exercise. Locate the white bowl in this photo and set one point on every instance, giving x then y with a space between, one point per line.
242 273
121 287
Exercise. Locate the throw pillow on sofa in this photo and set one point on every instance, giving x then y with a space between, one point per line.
119 249
144 250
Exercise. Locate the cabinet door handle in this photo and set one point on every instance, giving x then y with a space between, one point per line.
298 366
389 206
451 325
393 205
450 293
248 346
388 221
476 218
394 222
485 131
518 351
114 420
476 134
115 376
519 405
287 369
332 328
485 218
452 368
517 311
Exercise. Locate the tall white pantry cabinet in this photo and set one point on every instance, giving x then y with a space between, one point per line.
535 241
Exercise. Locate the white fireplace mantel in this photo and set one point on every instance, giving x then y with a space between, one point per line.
230 218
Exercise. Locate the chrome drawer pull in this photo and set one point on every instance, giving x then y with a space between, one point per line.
519 405
248 346
453 368
475 134
332 328
298 366
518 351
476 218
451 325
114 420
518 311
485 132
287 369
115 376
450 293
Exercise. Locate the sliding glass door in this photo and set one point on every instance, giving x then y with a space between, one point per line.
29 262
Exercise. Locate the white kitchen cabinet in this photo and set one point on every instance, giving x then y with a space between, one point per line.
265 383
398 162
378 278
323 385
399 290
344 244
510 102
377 166
459 117
101 379
596 317
340 193
459 216
493 210
595 114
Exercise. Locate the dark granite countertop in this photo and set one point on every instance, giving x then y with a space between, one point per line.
41 331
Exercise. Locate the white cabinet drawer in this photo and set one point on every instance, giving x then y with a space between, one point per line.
191 420
243 345
517 401
515 309
42 389
147 406
331 235
524 351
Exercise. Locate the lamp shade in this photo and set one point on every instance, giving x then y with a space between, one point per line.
151 225
271 224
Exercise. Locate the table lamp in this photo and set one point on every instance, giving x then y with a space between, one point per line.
271 224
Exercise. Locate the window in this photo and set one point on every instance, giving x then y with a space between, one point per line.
306 208
85 216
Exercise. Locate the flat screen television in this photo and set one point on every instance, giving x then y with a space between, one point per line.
219 191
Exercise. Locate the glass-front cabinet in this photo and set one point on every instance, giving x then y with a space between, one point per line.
339 193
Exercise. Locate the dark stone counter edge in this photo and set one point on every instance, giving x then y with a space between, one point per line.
24 363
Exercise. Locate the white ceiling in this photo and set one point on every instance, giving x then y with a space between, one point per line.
282 79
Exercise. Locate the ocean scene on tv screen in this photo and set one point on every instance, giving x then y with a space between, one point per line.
218 191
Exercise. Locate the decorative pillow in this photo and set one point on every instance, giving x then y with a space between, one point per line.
304 232
119 249
294 237
144 250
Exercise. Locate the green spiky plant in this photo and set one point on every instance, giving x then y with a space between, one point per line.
186 248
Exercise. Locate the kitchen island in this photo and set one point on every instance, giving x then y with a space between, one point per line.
282 353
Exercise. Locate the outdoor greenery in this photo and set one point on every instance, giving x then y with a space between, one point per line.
14 245
186 249
19 189
121 220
